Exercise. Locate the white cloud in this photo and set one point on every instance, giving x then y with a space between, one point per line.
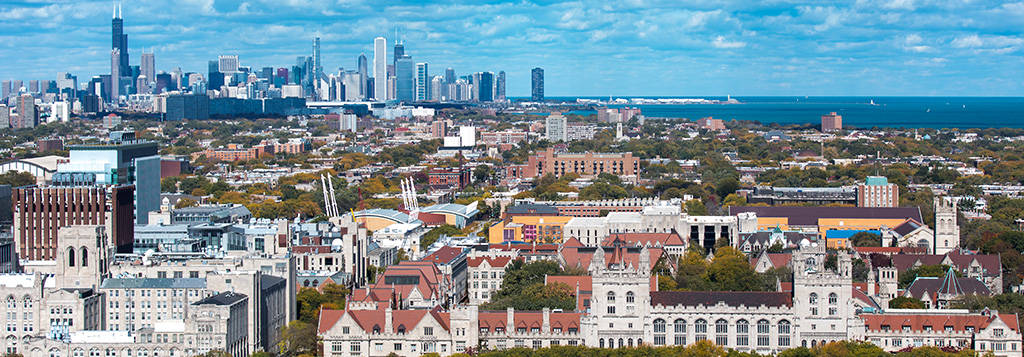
721 42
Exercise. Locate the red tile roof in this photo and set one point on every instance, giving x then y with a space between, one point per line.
328 318
959 323
493 262
444 255
529 320
649 239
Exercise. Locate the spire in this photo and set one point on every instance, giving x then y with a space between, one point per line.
120 14
113 10
950 284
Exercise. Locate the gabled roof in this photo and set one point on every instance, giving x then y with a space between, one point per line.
956 286
959 323
444 255
648 239
493 262
908 226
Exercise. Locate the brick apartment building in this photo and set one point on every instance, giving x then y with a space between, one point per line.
584 164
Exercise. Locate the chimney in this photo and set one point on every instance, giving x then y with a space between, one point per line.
510 323
387 321
546 324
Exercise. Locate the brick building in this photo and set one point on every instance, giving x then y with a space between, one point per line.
831 122
40 211
450 176
584 164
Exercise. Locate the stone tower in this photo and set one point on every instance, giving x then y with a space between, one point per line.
947 232
822 298
621 297
83 256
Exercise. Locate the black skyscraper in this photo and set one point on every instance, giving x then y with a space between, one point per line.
537 90
119 40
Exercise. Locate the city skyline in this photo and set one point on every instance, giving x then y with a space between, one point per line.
587 49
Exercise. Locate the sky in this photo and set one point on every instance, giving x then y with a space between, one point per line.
587 48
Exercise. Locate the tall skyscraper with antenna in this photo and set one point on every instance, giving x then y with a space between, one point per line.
119 40
363 76
380 68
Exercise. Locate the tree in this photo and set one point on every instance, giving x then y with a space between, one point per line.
309 301
696 208
865 239
726 186
691 272
185 202
860 271
734 200
17 178
298 338
904 302
730 271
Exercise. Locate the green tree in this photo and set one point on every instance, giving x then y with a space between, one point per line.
298 338
185 202
17 178
696 208
904 302
866 239
430 237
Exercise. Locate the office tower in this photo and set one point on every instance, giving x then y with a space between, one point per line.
398 53
499 87
227 64
28 115
404 81
5 116
556 128
148 66
537 85
363 75
352 80
6 91
16 87
831 122
115 75
436 86
119 40
380 68
33 86
267 73
214 78
422 82
449 75
318 69
483 86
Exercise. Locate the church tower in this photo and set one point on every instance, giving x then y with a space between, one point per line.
621 297
947 232
822 297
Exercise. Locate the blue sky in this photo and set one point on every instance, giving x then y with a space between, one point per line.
621 47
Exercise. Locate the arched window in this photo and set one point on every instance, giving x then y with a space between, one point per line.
700 327
71 257
376 329
611 297
810 262
621 343
54 352
814 298
85 257
600 343
659 326
630 297
11 304
78 352
721 332
95 352
833 298
305 282
679 326
629 342
784 328
762 333
611 302
742 333
401 329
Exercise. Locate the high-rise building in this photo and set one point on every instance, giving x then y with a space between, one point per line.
404 81
28 114
318 69
398 53
115 75
831 122
148 66
556 127
33 86
5 116
499 87
227 64
436 85
537 85
39 212
422 82
5 92
876 191
119 40
363 75
449 75
483 86
380 68
214 78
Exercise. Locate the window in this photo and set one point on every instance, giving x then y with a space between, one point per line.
721 332
784 328
762 333
700 327
629 297
428 331
742 333
659 340
814 298
833 298
659 326
679 326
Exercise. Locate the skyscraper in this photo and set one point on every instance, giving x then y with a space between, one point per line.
397 53
28 115
227 64
555 127
449 75
6 91
422 82
318 68
404 81
363 75
115 75
380 68
119 40
499 87
148 66
214 78
483 86
537 87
